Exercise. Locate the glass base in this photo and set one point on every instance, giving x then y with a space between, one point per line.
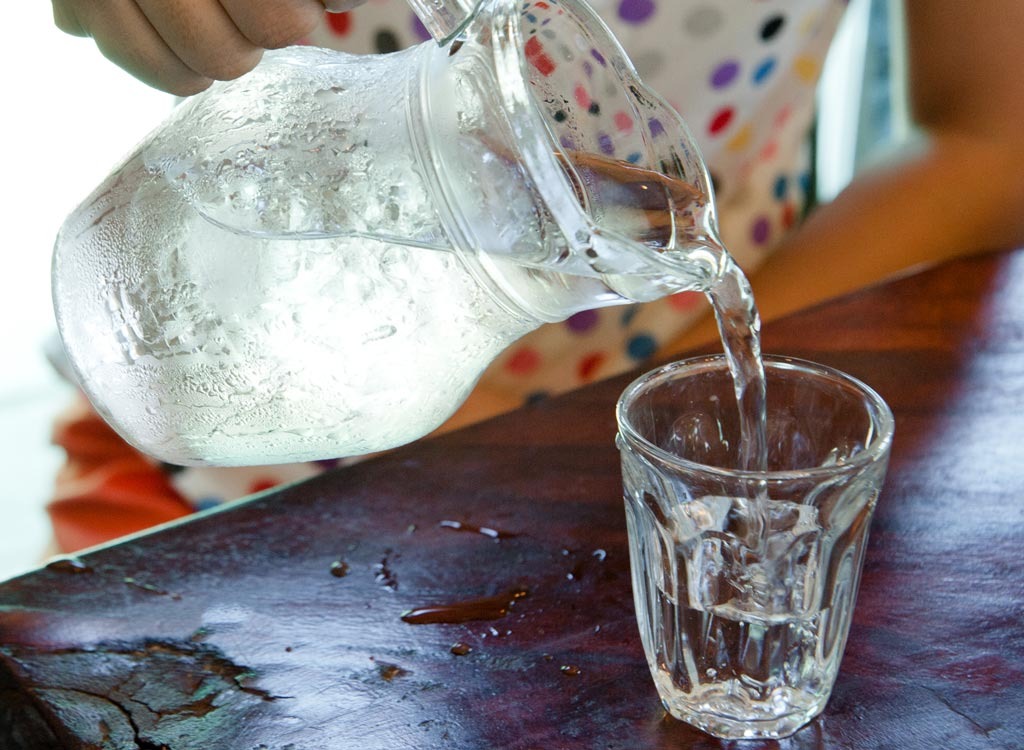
721 713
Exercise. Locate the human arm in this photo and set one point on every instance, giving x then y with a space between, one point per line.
959 191
182 46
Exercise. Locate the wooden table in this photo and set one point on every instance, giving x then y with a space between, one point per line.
277 622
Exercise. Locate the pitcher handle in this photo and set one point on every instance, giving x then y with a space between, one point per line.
444 19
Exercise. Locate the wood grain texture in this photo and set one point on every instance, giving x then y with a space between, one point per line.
231 630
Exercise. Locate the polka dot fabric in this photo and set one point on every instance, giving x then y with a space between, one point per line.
742 74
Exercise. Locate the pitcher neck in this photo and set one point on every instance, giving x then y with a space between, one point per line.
484 198
493 208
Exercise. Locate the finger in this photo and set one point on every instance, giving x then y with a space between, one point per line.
126 37
203 36
65 19
272 24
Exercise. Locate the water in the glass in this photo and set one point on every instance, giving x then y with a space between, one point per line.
739 640
745 581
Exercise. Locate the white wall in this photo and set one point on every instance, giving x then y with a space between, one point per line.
68 117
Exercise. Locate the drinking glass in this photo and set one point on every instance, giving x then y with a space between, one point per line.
745 581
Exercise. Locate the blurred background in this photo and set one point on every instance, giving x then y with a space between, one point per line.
71 117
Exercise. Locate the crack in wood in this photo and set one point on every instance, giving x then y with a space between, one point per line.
200 681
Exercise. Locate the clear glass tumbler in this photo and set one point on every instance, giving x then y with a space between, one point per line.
745 581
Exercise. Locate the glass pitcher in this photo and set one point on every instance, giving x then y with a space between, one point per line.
320 258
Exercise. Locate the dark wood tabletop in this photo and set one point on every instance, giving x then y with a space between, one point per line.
277 623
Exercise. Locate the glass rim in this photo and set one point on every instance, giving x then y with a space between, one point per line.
878 446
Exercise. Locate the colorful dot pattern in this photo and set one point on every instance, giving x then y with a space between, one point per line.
741 73
582 93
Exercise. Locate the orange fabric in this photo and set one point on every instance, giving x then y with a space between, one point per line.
106 488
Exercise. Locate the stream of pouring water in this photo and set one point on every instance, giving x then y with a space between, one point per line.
667 212
739 326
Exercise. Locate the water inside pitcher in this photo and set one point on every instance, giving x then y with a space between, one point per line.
320 258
